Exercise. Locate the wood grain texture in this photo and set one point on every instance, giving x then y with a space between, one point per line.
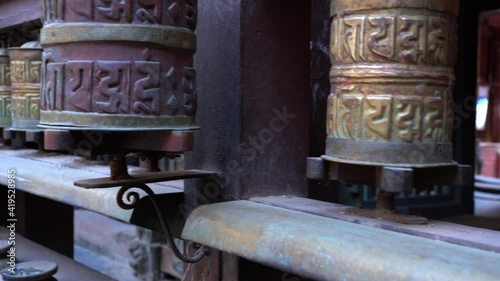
15 12
27 250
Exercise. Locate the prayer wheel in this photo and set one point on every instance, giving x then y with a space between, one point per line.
391 82
25 63
119 65
5 91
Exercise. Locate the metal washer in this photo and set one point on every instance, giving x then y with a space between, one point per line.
31 271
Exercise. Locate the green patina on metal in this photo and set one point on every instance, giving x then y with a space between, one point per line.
114 122
392 79
328 249
164 36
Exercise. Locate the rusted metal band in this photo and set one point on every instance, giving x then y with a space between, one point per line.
165 36
389 153
341 6
23 87
399 73
115 122
19 55
24 123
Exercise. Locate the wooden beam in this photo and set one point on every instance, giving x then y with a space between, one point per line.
51 176
16 12
27 250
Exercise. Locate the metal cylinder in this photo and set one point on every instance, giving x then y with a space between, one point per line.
5 91
25 63
392 78
119 65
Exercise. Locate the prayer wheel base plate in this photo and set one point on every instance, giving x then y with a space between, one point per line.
172 142
421 178
390 181
394 154
116 122
378 164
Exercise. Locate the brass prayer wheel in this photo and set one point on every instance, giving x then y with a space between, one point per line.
119 65
25 63
5 91
392 78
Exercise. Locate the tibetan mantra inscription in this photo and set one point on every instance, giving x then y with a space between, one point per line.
403 38
182 13
25 66
116 87
119 65
392 79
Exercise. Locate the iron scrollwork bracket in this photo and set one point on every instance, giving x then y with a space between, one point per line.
127 199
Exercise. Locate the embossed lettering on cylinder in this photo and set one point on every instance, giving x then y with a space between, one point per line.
392 79
119 65
25 64
180 13
5 89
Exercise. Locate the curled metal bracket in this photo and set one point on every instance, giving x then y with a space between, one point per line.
132 198
127 198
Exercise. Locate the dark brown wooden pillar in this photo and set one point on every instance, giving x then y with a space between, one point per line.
253 86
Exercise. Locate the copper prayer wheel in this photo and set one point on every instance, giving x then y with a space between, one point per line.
392 78
5 91
25 63
119 65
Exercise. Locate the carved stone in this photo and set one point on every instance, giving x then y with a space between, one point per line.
5 90
25 64
392 78
119 64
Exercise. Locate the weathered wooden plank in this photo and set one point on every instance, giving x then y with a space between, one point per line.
15 12
51 176
27 250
